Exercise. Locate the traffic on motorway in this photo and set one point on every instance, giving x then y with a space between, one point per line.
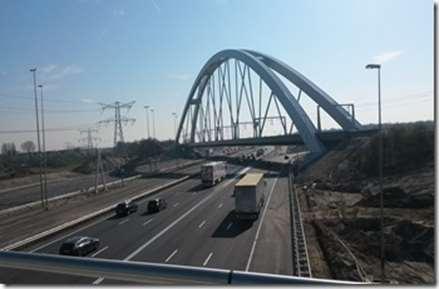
192 223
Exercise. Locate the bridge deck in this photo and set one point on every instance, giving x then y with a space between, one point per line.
326 137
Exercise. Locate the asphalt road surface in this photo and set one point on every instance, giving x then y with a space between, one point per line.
197 228
19 196
15 196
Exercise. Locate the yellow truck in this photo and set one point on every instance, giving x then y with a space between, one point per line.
249 196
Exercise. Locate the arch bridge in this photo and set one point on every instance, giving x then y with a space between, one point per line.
243 97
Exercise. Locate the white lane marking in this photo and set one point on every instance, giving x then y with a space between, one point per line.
170 256
220 205
99 251
207 259
150 241
124 221
68 235
229 226
201 224
176 204
147 222
250 258
98 281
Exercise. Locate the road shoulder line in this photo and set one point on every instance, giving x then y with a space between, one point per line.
250 258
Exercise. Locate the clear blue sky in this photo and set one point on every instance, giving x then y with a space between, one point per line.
90 51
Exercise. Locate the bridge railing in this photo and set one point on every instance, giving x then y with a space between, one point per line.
151 273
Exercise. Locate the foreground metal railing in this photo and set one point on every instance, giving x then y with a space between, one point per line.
301 263
151 273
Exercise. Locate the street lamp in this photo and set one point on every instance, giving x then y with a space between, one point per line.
34 70
43 134
147 121
153 122
380 166
174 114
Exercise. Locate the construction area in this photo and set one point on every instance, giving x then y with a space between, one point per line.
341 212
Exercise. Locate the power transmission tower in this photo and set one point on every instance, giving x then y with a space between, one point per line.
99 171
90 140
118 118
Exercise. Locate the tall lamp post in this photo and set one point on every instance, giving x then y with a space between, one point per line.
43 134
174 114
153 122
146 107
34 70
380 167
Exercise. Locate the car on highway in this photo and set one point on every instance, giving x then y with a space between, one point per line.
156 205
126 208
286 157
79 246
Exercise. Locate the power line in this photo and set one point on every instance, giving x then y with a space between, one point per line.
55 129
413 97
59 100
21 109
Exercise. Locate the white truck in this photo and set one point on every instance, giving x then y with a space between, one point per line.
249 196
213 172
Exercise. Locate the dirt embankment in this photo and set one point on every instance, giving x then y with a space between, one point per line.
341 211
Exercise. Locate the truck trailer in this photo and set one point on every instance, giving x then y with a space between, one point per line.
249 196
213 172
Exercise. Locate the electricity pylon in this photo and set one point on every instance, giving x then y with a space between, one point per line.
90 140
118 118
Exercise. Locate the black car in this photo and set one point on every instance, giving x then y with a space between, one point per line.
156 205
79 246
286 157
126 208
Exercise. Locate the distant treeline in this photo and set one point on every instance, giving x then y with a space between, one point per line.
84 161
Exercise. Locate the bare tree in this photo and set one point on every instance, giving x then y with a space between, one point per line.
9 149
28 146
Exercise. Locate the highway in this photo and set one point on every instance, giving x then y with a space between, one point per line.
19 195
15 196
195 229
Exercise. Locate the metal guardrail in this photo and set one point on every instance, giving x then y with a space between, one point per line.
301 264
66 195
150 273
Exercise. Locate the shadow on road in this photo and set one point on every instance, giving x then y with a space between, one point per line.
231 227
198 187
170 175
269 175
116 217
147 213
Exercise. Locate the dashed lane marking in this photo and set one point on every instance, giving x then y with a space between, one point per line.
207 259
170 256
99 251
